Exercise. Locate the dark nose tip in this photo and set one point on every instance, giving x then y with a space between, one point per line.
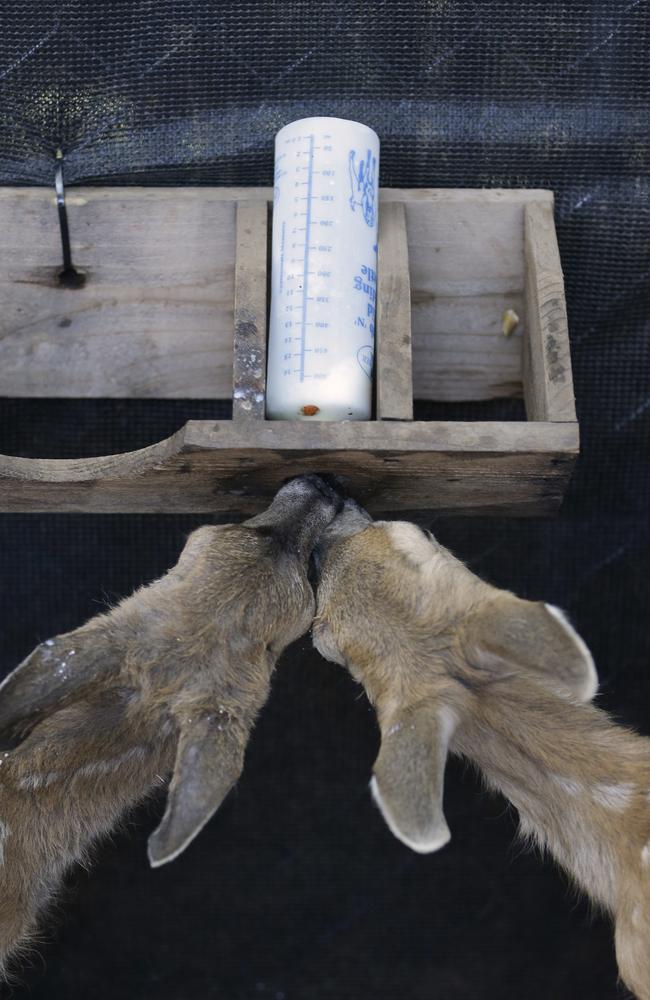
327 485
334 482
320 479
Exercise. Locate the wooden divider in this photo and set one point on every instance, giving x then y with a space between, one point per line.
251 272
546 360
393 363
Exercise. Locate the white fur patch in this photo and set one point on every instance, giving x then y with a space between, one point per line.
112 764
35 781
590 686
567 785
614 797
4 833
645 855
409 540
448 721
31 782
437 838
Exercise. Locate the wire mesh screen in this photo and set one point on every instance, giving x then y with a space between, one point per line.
296 891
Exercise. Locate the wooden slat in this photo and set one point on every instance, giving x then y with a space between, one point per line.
251 272
461 249
467 268
155 317
459 350
133 193
393 363
472 468
548 381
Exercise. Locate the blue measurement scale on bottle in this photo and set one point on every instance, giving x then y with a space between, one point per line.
324 271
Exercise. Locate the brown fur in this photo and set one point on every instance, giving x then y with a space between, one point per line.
171 679
452 663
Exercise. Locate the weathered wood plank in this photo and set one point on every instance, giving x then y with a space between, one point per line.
467 268
465 248
393 363
548 381
459 350
155 316
506 468
251 272
497 196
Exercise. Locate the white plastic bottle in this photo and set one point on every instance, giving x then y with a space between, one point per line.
324 271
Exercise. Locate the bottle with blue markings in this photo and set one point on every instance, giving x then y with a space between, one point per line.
323 271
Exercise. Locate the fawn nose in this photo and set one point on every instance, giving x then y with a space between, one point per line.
329 486
336 483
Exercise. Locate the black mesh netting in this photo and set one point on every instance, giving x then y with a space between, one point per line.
296 890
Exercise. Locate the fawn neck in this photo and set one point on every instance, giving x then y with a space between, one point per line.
581 785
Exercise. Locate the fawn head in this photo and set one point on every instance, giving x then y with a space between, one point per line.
168 682
424 636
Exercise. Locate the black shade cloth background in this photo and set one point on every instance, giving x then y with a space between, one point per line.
296 891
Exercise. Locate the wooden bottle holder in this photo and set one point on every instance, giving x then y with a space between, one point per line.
161 269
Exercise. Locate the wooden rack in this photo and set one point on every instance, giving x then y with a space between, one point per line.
166 275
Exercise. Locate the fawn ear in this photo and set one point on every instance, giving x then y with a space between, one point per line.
510 633
408 779
56 671
209 760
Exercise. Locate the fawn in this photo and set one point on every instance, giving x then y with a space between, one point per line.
170 680
453 664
